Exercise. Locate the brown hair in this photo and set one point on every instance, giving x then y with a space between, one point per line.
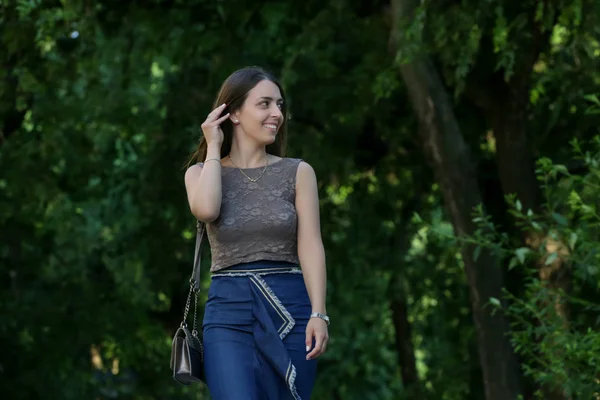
233 92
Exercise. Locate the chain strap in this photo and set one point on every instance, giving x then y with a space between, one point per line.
195 326
194 282
187 309
187 306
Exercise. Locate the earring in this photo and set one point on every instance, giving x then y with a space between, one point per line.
235 121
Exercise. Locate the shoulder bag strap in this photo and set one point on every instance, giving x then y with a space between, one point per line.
194 280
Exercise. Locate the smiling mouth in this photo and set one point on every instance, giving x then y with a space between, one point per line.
272 127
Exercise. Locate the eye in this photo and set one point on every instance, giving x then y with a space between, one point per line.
264 103
280 105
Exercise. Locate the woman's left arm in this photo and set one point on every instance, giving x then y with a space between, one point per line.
312 256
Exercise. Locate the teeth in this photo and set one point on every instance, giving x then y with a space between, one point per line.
271 126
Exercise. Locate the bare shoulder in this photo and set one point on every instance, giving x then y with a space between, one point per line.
307 191
305 168
305 175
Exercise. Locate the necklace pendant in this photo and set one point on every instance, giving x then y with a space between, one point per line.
253 180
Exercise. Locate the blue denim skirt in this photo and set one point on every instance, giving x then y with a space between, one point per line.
254 332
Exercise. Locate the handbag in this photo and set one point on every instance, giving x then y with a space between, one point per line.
187 349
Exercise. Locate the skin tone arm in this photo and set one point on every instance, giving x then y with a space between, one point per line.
312 256
203 184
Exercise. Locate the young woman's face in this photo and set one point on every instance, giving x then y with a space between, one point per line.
261 116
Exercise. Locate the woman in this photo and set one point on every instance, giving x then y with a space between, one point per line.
265 321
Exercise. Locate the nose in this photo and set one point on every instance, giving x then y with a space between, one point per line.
276 112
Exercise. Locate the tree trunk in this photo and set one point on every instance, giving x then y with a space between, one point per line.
516 169
449 156
397 291
508 112
404 344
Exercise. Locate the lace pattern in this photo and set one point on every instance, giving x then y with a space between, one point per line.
258 220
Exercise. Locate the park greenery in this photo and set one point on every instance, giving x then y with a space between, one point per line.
457 148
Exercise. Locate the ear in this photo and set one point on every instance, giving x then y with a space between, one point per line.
234 119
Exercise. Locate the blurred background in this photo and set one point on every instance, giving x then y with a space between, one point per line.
457 151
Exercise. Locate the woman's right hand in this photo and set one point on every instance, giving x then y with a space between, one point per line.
211 127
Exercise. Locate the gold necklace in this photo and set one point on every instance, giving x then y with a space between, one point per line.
243 173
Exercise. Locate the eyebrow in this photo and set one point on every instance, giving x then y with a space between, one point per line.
269 98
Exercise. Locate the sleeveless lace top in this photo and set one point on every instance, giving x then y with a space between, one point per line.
258 219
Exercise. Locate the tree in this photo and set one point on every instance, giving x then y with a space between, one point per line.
100 105
451 160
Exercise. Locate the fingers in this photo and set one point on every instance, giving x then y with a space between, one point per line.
308 341
215 113
316 351
214 119
223 118
321 339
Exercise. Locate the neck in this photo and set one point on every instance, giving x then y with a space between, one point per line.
247 155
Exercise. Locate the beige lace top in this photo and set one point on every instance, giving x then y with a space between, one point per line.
258 219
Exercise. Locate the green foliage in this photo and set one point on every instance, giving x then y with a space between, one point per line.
555 328
100 104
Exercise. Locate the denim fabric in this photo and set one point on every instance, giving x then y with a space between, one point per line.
254 330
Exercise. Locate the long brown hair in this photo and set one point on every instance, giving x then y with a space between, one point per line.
233 92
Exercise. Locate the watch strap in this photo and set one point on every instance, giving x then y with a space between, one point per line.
320 315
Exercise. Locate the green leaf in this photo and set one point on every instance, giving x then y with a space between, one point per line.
476 253
551 258
536 226
513 263
560 219
495 302
559 168
592 98
522 253
518 205
572 240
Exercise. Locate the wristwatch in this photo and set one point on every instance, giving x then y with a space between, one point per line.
319 315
